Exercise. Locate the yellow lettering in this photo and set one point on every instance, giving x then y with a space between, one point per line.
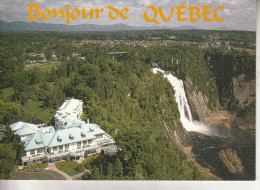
48 11
115 10
155 13
205 13
123 12
90 14
72 14
37 7
215 14
97 11
180 12
68 14
163 16
192 8
55 13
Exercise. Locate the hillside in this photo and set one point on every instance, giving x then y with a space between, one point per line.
128 101
34 26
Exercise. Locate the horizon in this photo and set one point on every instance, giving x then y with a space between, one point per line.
134 28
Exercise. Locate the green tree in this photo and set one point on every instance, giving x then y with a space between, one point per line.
101 172
95 175
118 169
9 112
80 168
109 175
7 160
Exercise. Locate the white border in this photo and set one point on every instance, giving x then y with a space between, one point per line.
155 185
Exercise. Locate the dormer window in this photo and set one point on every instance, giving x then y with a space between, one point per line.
38 141
91 129
83 134
59 139
71 136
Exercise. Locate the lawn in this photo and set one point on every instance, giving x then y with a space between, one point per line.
42 175
45 67
68 167
33 109
7 93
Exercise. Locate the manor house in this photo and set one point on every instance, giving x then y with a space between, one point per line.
71 138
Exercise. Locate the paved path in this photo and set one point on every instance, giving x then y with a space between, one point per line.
80 174
54 168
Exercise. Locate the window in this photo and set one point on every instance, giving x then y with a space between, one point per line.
89 141
55 148
39 151
85 143
71 136
32 152
78 143
61 147
100 136
67 146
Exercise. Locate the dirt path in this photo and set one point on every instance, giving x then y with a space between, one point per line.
54 168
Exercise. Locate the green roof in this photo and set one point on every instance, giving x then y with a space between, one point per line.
20 124
51 139
26 131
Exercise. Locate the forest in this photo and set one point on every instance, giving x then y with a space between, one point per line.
121 95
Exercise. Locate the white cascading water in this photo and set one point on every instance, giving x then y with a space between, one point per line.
185 114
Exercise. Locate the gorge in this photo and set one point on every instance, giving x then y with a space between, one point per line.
228 153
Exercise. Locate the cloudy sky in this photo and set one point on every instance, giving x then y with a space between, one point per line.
239 14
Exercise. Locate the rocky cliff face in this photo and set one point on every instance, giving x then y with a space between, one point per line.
244 97
243 91
197 101
241 104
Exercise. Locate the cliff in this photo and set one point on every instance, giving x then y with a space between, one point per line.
240 107
197 101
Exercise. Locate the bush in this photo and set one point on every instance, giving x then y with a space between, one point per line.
39 165
86 176
80 168
87 165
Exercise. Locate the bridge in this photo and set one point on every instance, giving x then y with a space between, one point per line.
116 53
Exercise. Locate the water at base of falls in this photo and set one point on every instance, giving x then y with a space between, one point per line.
185 114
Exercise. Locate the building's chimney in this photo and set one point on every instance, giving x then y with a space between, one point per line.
88 121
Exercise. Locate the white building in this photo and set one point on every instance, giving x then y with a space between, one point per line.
72 139
73 142
70 111
24 129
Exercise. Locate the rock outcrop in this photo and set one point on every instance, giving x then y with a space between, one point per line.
243 91
197 101
231 161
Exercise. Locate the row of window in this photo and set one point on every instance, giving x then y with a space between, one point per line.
39 151
99 136
60 148
84 143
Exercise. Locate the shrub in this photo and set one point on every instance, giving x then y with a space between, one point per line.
39 165
80 168
86 176
87 165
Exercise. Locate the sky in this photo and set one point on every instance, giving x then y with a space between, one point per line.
239 14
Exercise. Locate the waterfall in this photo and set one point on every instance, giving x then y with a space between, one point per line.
185 114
